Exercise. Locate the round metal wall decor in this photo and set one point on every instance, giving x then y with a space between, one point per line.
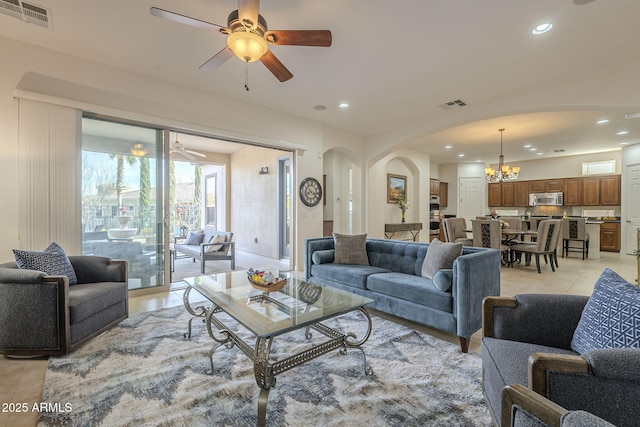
310 191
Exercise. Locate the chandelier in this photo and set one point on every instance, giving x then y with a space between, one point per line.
504 172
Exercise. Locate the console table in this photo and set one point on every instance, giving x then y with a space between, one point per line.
412 227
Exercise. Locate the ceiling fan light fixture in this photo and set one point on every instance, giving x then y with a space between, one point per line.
247 46
138 150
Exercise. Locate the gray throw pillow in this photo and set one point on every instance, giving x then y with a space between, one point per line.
53 261
440 256
611 318
194 238
350 249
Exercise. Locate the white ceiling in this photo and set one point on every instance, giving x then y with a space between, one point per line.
394 62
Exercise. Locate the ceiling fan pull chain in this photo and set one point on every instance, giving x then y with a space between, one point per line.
246 76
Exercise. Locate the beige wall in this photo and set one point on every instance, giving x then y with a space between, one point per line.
253 199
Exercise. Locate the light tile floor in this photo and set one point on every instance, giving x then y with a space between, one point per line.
21 380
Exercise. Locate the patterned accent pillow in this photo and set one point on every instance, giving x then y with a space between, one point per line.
611 318
53 261
350 249
440 255
194 238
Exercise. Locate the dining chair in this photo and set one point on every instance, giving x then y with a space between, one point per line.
546 244
513 223
454 231
488 234
574 230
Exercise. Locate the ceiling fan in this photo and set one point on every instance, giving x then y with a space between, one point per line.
249 39
178 148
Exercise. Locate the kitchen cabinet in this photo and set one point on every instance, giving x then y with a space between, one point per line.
434 187
521 193
610 237
591 191
554 185
508 194
610 190
495 195
573 192
444 194
537 186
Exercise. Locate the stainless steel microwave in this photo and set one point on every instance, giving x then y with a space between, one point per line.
546 199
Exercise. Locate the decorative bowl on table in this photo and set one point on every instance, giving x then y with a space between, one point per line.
265 281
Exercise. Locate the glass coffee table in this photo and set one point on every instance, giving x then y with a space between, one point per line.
267 315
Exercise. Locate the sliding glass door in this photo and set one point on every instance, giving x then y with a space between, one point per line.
123 197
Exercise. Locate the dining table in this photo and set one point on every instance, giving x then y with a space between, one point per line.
510 236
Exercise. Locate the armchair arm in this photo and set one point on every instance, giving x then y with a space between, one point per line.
528 402
530 317
609 388
33 313
230 246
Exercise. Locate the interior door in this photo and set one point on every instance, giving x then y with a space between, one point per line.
471 198
632 211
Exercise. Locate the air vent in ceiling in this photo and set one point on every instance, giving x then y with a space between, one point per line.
561 150
458 103
27 12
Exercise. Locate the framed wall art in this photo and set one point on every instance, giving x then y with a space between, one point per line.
396 187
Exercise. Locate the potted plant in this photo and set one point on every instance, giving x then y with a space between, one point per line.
402 204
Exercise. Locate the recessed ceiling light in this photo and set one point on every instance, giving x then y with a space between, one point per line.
343 105
623 143
622 132
320 107
448 147
460 155
603 121
539 154
527 146
533 149
542 28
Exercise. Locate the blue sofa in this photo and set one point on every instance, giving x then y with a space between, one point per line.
393 279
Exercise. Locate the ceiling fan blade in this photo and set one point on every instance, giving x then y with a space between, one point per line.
217 59
195 153
248 12
185 155
275 66
176 17
321 38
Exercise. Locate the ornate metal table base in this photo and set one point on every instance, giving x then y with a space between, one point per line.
265 372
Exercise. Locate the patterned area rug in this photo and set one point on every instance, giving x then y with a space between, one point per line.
144 373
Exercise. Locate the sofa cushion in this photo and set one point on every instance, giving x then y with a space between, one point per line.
611 318
440 255
194 238
220 238
443 279
408 287
350 249
347 274
323 257
53 261
85 300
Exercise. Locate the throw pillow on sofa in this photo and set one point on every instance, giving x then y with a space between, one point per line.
218 238
350 249
194 238
611 318
440 256
53 261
